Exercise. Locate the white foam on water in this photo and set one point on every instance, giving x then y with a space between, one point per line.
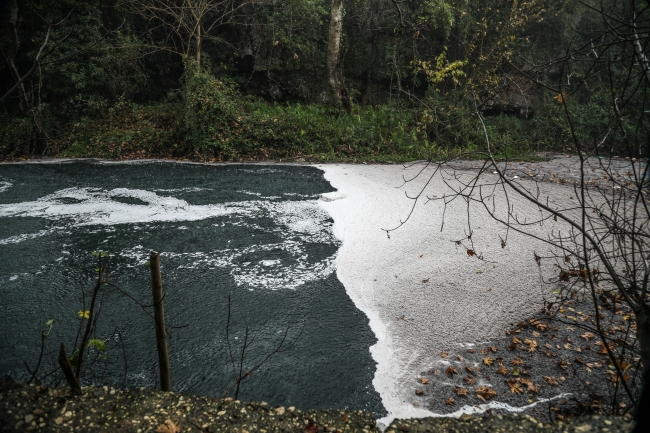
420 292
4 185
298 223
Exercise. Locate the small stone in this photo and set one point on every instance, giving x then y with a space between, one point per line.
29 418
608 422
280 410
68 414
220 413
112 392
583 428
291 408
58 420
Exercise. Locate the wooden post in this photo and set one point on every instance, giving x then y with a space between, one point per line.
159 315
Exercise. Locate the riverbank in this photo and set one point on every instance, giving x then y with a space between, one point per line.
38 409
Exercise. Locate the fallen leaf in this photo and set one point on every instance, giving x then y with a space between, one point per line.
471 252
551 380
310 428
460 390
536 334
517 361
425 281
470 351
530 385
563 364
469 380
484 392
469 369
423 380
502 370
419 392
516 340
450 401
493 348
515 386
484 351
451 371
168 427
488 361
532 345
587 336
444 354
458 357
549 354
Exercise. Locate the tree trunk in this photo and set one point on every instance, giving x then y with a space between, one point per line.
198 45
643 334
15 43
333 48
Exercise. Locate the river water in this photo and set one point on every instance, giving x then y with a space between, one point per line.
254 232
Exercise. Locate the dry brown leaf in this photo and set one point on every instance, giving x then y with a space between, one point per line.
530 385
469 380
451 371
502 370
460 390
484 351
516 340
551 380
493 348
484 392
168 427
419 392
488 361
517 361
587 336
549 354
515 386
469 369
458 357
471 252
532 344
444 354
563 364
450 401
423 380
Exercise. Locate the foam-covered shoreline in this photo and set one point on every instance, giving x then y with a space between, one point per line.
420 291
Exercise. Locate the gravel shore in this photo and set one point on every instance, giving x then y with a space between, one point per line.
38 409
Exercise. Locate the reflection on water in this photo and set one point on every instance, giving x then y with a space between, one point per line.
256 232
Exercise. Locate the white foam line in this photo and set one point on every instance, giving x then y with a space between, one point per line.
383 423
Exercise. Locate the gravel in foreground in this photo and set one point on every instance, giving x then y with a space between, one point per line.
104 409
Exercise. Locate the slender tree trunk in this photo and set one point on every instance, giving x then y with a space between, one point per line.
643 403
198 45
15 43
333 48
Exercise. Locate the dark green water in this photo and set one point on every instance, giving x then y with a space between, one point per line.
255 232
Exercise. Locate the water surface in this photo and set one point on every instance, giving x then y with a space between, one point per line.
255 232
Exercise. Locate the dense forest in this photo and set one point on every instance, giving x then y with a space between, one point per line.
375 80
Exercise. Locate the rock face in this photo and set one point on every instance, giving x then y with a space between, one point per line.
518 96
